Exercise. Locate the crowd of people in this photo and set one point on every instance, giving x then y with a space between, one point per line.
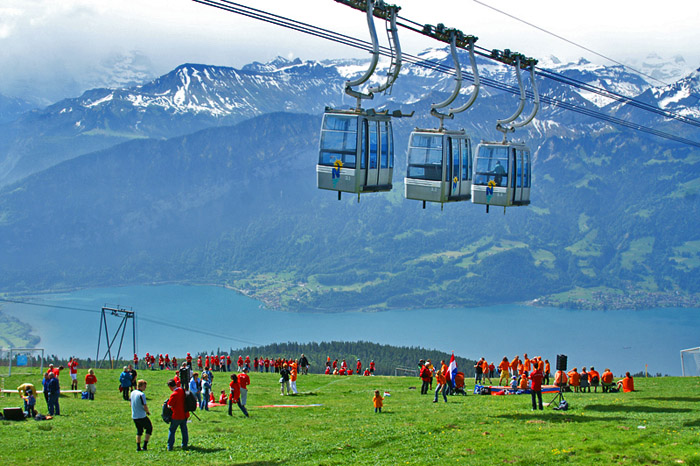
342 368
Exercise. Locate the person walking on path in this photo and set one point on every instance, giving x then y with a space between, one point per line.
125 383
140 413
90 381
235 396
176 403
536 388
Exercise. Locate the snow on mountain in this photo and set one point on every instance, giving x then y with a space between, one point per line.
682 97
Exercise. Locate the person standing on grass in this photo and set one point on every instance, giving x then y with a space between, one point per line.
379 402
24 390
195 387
293 377
73 370
206 391
125 383
503 367
140 413
176 403
235 396
90 381
54 390
547 371
243 382
441 382
284 379
425 376
536 387
133 374
478 371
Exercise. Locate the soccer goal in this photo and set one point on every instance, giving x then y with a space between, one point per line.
690 362
404 372
25 358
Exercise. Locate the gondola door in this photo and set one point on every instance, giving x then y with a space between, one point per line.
453 181
372 174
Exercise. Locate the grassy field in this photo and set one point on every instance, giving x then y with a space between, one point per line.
659 424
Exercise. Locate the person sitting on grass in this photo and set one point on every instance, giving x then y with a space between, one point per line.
523 381
222 398
585 380
607 380
626 384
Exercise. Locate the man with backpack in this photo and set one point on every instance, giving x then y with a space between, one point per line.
176 403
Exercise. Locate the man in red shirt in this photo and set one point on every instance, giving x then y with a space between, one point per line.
359 367
536 388
371 366
188 359
136 361
243 382
235 396
73 369
176 402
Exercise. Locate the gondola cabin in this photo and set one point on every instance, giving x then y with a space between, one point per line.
501 174
356 152
439 166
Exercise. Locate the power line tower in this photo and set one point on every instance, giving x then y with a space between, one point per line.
124 314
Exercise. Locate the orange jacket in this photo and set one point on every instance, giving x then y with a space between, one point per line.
607 377
627 384
378 401
574 378
503 366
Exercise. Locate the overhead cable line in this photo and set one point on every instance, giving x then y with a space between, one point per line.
575 44
177 326
366 46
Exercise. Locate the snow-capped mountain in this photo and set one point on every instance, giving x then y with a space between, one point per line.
194 96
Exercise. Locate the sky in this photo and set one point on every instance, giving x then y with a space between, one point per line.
49 42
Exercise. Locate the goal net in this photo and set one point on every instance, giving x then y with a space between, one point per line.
404 372
690 362
24 360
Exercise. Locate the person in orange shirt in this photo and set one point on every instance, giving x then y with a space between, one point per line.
547 370
441 383
293 378
560 379
627 383
574 379
607 380
521 369
378 402
523 381
514 366
485 371
594 378
503 367
527 363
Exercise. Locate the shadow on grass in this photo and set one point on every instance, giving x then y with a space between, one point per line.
695 423
204 449
258 463
688 399
558 417
634 409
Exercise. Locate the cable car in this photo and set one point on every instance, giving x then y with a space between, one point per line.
503 170
501 174
439 166
439 161
356 152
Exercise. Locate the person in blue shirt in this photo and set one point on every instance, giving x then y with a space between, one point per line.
54 390
125 383
195 388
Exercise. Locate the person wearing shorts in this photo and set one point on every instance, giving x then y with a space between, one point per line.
140 413
73 369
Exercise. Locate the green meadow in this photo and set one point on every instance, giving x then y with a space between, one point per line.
658 424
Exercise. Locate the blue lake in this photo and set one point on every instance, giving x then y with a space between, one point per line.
221 318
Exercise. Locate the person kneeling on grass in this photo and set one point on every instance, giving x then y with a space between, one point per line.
140 413
626 384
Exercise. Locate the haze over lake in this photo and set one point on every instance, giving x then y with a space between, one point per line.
622 340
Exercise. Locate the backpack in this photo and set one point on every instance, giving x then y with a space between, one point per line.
167 413
190 401
563 406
